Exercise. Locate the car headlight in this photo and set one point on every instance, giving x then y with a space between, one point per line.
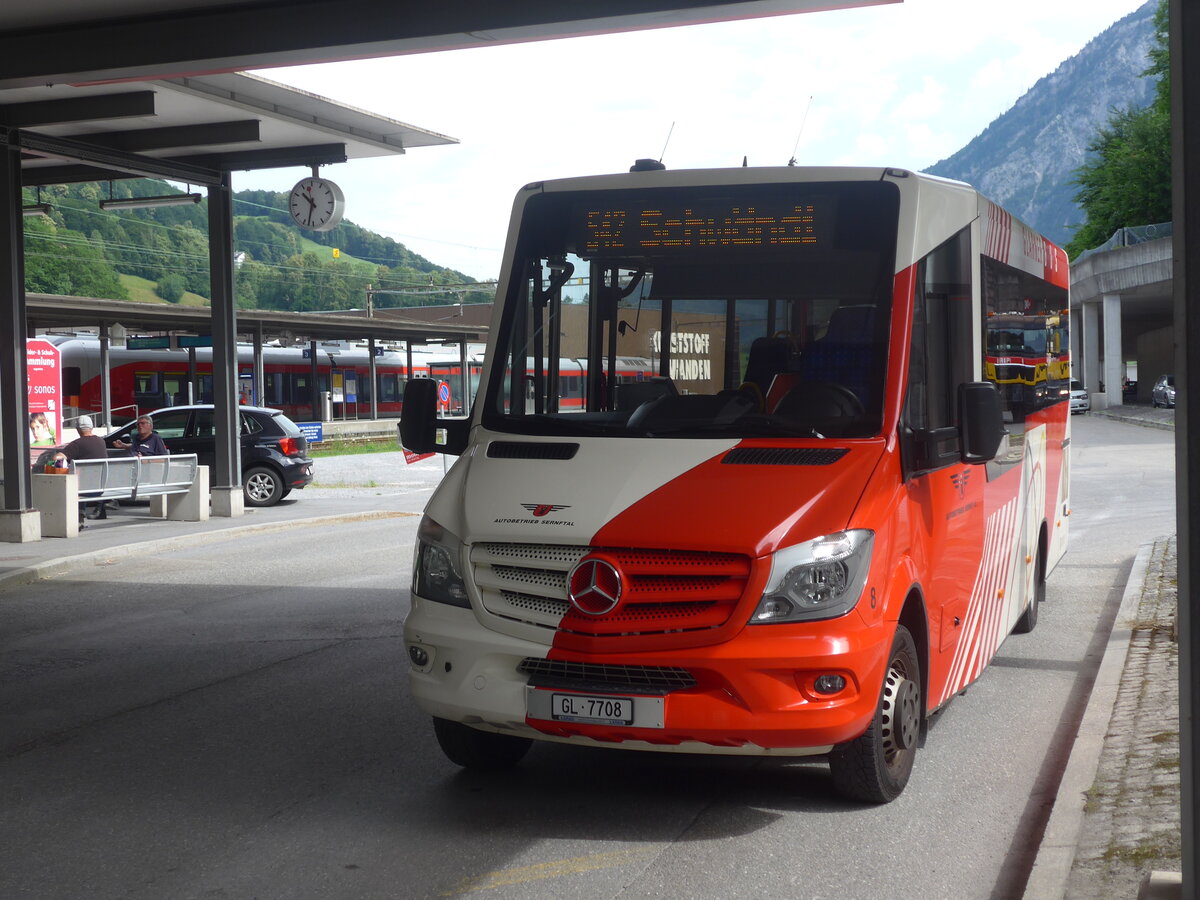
437 565
818 579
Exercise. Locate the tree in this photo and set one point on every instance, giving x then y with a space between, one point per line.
61 261
171 287
1127 180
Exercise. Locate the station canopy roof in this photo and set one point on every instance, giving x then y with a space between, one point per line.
76 41
223 123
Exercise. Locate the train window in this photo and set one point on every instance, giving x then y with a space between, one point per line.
145 383
72 381
299 392
388 391
174 388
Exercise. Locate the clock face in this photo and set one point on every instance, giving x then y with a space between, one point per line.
316 204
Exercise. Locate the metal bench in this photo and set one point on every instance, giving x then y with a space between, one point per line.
133 477
176 486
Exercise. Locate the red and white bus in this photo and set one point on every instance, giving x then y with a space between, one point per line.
806 533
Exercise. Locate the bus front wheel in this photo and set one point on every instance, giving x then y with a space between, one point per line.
876 766
481 750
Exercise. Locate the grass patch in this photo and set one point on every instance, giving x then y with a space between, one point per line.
142 290
1150 849
353 448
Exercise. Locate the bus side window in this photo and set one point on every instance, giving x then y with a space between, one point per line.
941 356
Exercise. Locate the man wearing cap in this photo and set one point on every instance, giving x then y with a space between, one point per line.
87 446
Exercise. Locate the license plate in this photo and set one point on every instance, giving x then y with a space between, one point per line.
595 709
588 708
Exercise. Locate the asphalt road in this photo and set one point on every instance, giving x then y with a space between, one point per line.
231 720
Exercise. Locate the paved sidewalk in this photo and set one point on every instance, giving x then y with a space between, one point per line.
1116 818
1131 825
1138 414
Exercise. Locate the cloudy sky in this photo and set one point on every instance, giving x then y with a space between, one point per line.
901 85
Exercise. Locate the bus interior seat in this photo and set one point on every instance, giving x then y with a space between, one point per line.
768 357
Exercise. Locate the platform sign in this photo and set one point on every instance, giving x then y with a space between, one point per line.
43 378
314 432
351 387
161 342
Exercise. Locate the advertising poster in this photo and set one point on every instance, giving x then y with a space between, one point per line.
43 367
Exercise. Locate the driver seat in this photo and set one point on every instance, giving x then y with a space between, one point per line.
852 353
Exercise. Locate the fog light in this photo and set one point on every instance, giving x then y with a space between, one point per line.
419 657
829 684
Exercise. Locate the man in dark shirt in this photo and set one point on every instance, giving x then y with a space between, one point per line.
145 441
87 446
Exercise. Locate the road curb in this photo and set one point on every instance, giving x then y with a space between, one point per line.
51 567
1056 855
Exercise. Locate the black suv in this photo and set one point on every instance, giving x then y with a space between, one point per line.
274 450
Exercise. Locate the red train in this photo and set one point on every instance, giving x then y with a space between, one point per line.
142 380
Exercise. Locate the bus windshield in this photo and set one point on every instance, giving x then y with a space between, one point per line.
738 311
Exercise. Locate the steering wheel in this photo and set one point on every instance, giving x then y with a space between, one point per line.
819 400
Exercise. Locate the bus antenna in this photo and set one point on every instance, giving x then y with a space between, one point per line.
670 131
800 133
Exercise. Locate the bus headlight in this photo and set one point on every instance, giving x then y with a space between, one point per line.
818 579
437 565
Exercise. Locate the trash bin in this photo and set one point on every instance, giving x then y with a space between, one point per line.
326 406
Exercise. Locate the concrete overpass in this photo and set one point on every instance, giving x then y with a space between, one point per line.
1122 312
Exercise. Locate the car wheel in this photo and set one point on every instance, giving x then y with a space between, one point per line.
262 487
474 749
876 766
286 491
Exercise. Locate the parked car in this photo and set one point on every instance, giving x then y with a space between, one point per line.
1163 392
274 450
1081 402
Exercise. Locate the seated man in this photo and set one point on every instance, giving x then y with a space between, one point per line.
87 446
145 441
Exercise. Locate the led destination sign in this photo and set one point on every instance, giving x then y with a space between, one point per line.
725 225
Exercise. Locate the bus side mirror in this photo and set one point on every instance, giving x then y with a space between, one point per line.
980 421
421 431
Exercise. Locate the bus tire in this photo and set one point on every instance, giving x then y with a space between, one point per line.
1029 618
483 751
262 486
876 766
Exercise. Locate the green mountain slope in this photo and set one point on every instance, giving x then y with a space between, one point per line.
160 252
